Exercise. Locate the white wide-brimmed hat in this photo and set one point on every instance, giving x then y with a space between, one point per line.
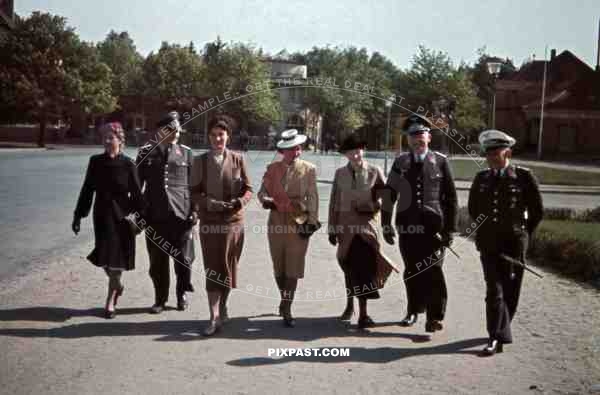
290 138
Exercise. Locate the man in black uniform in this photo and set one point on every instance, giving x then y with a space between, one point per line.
422 183
506 204
165 169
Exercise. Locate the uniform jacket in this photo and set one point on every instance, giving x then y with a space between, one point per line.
224 182
413 188
166 173
510 204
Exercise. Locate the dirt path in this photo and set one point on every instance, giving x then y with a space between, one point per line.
53 341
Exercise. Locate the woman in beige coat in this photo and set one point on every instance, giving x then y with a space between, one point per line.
353 215
220 192
289 190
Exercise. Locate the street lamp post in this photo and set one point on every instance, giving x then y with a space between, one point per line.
388 104
494 70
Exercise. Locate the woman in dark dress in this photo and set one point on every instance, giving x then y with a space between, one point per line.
113 178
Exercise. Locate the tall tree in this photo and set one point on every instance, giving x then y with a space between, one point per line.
362 82
45 69
174 73
432 78
118 51
239 70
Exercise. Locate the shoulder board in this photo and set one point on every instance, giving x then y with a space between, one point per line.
185 146
523 168
439 154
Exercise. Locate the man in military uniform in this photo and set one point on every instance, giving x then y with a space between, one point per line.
164 168
421 182
505 202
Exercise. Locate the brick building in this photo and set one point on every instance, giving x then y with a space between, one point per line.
571 125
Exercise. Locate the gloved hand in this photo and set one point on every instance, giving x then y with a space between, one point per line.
447 239
389 235
193 219
306 230
236 204
332 239
219 206
269 204
76 225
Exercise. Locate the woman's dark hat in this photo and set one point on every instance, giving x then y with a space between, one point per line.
351 142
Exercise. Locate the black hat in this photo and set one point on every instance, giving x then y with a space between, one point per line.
416 124
171 121
351 142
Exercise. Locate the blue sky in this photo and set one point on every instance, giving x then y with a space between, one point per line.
508 28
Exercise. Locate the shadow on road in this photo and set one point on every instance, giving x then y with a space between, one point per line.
58 314
370 355
244 328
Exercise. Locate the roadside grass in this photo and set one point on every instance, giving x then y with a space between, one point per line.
465 170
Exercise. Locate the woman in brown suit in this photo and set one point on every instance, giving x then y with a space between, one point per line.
353 215
221 189
289 190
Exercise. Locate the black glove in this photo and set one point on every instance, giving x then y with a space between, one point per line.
332 239
236 204
306 230
135 228
269 204
76 225
192 219
389 235
447 239
219 206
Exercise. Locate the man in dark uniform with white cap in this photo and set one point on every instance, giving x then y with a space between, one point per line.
422 184
506 203
164 168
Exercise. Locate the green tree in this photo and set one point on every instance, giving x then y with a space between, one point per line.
345 110
174 73
45 70
239 70
432 78
118 51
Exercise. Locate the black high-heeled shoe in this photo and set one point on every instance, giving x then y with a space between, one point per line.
365 322
347 314
109 314
493 347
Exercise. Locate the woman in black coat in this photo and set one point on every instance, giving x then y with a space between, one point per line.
112 176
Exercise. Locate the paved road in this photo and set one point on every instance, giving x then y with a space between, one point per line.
38 192
53 341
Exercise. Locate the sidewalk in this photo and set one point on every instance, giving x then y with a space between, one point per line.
53 341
